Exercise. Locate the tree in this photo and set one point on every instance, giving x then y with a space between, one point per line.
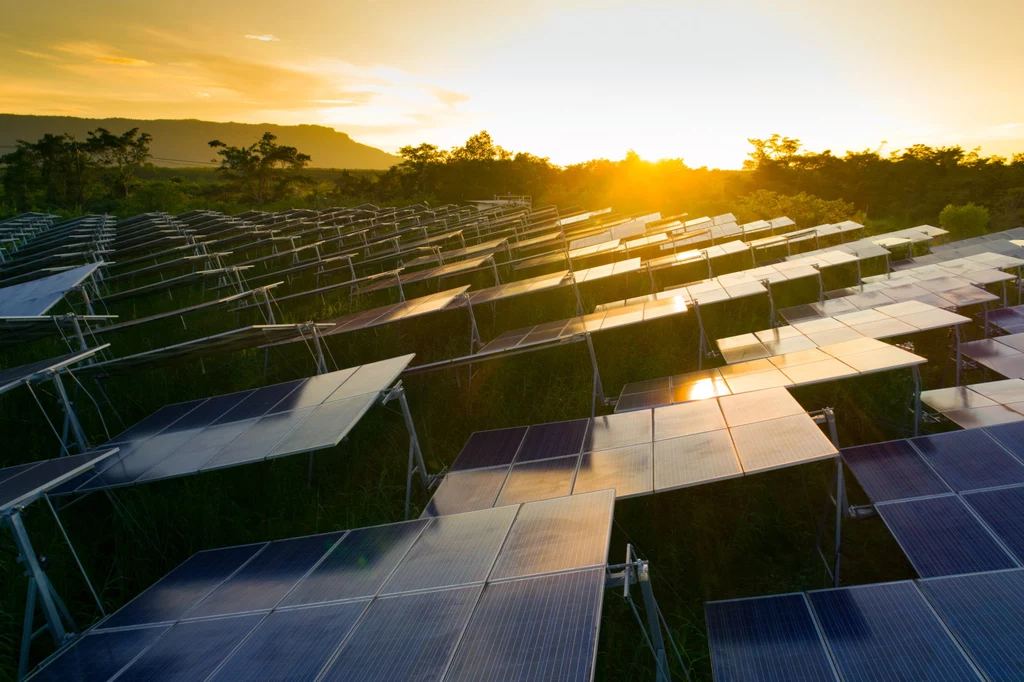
55 164
806 209
260 167
123 153
775 149
965 221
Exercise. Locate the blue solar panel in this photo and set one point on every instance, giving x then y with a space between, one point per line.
986 613
1003 511
294 644
1011 436
190 650
767 639
179 590
888 632
463 491
540 629
410 637
262 582
490 448
453 550
892 471
556 439
358 565
259 402
99 655
941 537
970 459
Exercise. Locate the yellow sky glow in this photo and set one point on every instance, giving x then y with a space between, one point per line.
567 79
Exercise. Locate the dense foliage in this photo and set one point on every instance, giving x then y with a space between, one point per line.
906 187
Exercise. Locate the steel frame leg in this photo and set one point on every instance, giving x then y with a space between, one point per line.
916 374
416 462
54 610
597 388
956 334
69 413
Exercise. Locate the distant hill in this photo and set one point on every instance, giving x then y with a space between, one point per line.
186 140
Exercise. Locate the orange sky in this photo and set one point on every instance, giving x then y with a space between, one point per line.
568 79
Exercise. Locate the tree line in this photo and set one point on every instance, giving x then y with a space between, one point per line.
919 184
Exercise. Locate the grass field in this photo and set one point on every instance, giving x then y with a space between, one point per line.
748 536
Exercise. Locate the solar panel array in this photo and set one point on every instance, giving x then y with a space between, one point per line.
898 319
38 296
512 593
985 404
22 483
638 453
855 357
936 493
243 427
12 377
1002 354
964 627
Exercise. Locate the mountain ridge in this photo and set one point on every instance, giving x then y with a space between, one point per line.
178 142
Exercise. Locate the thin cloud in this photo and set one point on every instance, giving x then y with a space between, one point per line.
263 38
38 55
100 53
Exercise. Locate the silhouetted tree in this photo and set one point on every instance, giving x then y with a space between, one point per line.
122 153
259 167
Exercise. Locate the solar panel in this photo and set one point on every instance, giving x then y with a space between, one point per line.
247 426
39 295
554 439
358 565
539 480
941 537
629 471
954 398
453 550
986 613
540 629
26 482
1010 436
557 535
892 471
686 419
191 650
292 645
12 377
263 581
618 430
979 417
408 637
969 460
888 632
98 655
490 448
758 406
766 639
463 491
693 459
1002 510
780 442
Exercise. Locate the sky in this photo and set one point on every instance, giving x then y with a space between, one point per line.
570 80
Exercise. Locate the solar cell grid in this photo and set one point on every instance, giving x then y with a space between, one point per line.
780 442
892 471
264 580
766 639
941 537
490 448
191 650
1002 510
557 535
540 629
98 655
986 613
757 406
693 459
629 471
539 480
969 460
358 565
554 439
463 491
408 637
619 430
453 550
888 632
687 418
292 645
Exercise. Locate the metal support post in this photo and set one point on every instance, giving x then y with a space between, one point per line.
771 302
397 392
651 608
69 414
494 269
860 281
598 389
321 362
82 345
401 291
58 620
916 374
266 302
474 331
956 334
703 341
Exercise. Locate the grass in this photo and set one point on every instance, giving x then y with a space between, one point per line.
743 537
